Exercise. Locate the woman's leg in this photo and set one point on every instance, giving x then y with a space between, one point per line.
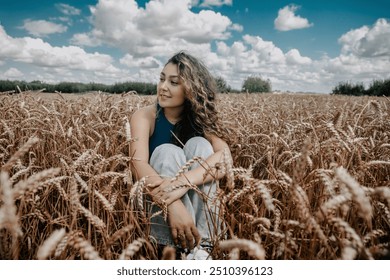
167 159
206 212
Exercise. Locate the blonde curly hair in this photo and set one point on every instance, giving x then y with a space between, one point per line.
199 116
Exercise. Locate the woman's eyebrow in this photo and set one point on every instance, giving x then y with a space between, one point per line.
171 76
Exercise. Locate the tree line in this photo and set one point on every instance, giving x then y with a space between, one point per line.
252 84
70 87
376 88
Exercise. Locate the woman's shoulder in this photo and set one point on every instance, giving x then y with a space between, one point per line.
143 119
145 113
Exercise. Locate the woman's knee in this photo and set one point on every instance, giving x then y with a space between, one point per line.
167 155
198 146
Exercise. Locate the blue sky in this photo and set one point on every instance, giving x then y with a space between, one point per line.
300 46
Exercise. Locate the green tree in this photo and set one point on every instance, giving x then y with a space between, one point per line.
347 88
256 84
379 88
222 86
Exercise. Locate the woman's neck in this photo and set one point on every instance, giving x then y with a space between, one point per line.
173 115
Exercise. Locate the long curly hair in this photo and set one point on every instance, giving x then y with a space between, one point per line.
199 116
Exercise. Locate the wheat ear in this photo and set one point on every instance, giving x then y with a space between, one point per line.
253 249
19 153
50 244
132 249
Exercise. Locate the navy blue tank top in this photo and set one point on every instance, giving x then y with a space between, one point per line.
162 131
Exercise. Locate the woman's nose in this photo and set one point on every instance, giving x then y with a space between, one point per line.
163 85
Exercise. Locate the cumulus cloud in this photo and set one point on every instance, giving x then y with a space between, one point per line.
294 71
266 51
84 39
287 20
218 3
36 51
162 27
365 54
43 28
294 57
368 42
12 73
254 55
67 9
144 62
237 27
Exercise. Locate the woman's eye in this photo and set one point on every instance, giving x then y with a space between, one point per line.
174 83
161 79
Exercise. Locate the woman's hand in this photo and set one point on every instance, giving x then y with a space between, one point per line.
183 229
166 191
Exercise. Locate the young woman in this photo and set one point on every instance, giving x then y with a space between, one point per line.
182 125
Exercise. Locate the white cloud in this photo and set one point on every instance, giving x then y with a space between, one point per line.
287 20
161 28
42 27
36 51
368 42
266 51
294 57
67 20
12 73
222 48
218 3
83 39
144 62
194 3
254 55
237 27
365 54
67 9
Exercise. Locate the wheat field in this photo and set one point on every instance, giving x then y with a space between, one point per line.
309 178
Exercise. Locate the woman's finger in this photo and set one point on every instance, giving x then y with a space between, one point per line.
168 198
174 235
155 183
189 238
182 239
155 191
196 235
158 192
172 196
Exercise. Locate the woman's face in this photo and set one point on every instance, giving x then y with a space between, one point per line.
170 89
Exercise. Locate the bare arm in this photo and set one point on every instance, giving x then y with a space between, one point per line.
140 125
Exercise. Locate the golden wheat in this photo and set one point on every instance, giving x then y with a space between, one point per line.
307 178
50 244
